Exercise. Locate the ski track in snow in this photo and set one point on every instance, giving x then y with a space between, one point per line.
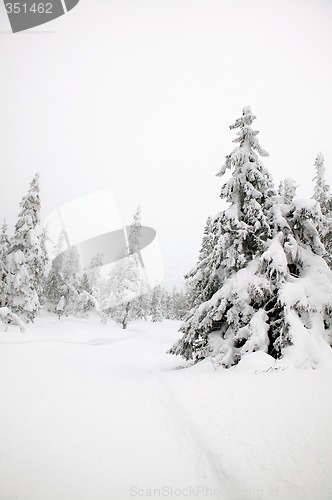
210 473
90 412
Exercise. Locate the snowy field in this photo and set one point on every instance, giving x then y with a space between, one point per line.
91 412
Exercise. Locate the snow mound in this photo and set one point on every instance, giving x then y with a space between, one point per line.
257 361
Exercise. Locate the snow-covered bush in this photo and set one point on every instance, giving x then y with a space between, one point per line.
9 318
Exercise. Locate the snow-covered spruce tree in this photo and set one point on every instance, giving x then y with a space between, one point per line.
4 247
124 284
167 304
55 279
156 306
279 303
203 280
94 276
239 233
54 282
322 195
127 284
135 233
71 286
26 258
30 238
321 190
140 305
76 294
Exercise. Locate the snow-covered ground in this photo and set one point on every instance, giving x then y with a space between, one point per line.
92 412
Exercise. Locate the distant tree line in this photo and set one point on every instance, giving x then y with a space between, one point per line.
31 282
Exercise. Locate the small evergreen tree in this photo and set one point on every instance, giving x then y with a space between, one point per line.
156 304
94 276
180 304
135 233
71 286
322 195
140 304
54 282
321 190
4 247
124 286
168 305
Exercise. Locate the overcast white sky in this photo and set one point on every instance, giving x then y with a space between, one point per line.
137 96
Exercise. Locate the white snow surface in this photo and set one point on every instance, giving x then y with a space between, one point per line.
92 412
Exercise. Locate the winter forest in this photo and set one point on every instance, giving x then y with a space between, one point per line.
221 389
262 281
31 281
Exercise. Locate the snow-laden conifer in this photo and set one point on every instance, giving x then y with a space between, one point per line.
4 247
279 299
156 305
237 234
322 194
203 280
30 238
27 257
321 188
125 287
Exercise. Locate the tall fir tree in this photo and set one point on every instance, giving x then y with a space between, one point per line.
27 256
4 247
277 292
322 195
31 238
238 233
